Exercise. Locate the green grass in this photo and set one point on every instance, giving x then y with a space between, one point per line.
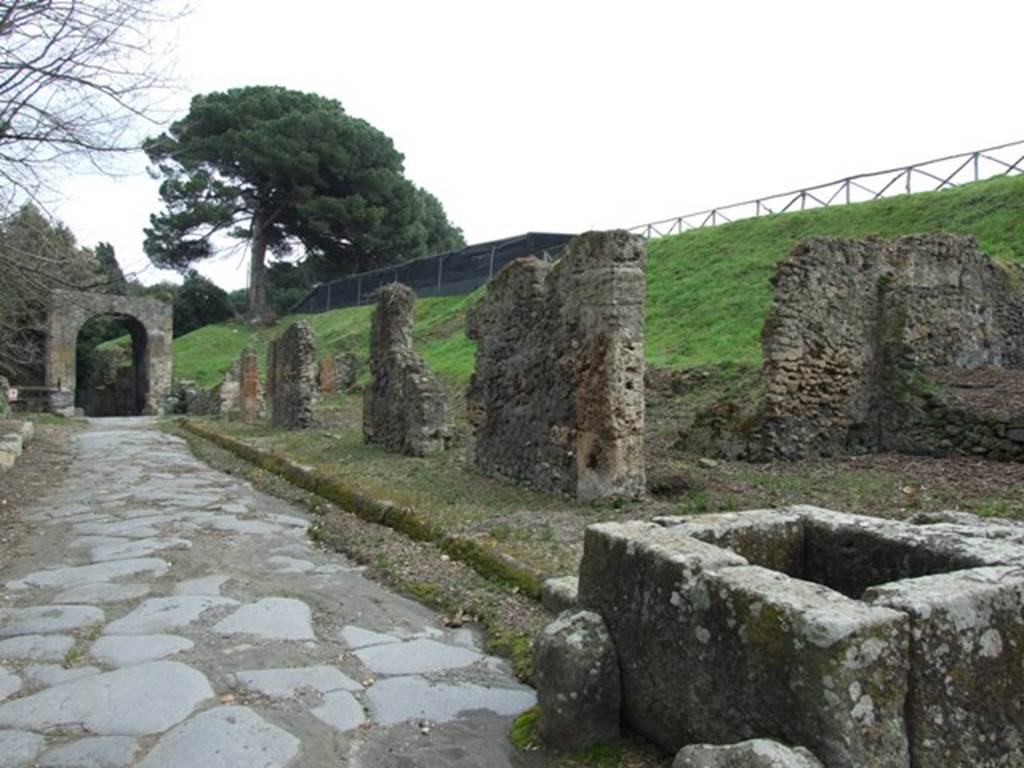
707 289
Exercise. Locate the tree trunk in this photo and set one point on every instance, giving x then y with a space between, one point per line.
257 273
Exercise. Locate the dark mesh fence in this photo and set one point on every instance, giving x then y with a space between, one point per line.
447 274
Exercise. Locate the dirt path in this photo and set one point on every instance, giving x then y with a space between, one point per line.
162 613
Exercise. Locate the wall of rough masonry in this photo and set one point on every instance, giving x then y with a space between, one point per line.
852 320
338 374
291 377
857 341
557 397
405 408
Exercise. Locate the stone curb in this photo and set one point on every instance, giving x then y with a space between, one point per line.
14 435
488 562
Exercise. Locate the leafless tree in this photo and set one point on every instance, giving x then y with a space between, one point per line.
76 77
80 82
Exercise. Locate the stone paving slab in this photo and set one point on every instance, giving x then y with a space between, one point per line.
36 647
226 737
114 703
240 644
94 752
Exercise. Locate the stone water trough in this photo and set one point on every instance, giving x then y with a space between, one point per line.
869 642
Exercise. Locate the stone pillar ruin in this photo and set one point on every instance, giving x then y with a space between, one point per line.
291 377
405 408
557 398
250 400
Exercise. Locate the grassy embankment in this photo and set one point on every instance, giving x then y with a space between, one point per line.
708 291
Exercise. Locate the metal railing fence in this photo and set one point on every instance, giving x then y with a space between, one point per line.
929 175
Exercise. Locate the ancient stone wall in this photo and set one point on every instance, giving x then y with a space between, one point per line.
557 398
405 408
859 343
151 325
291 377
852 320
250 393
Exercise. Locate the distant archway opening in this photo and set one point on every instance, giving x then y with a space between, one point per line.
111 365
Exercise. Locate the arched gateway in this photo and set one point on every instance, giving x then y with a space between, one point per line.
149 321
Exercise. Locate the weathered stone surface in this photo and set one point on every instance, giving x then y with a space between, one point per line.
398 699
224 737
340 710
150 321
291 377
415 657
274 618
286 683
557 398
102 592
770 538
18 749
36 647
159 614
10 683
357 637
560 593
788 659
70 576
966 665
114 703
125 650
250 393
55 674
576 672
855 327
95 752
43 619
405 408
756 753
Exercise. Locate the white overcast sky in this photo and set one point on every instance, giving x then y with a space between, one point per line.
565 116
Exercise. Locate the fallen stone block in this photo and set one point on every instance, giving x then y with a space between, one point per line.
756 753
577 676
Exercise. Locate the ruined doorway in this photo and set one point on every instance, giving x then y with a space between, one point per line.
144 387
110 366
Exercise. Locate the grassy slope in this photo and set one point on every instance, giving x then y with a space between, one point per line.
707 289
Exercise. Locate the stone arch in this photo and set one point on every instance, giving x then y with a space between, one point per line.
150 323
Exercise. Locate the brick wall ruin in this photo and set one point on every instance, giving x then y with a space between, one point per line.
250 394
557 398
860 338
291 377
405 407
